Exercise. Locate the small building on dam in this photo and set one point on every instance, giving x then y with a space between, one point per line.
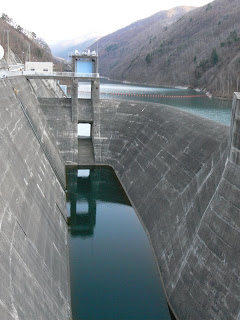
181 173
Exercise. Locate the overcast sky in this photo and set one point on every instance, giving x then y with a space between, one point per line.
59 20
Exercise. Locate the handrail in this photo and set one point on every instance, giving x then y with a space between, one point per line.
6 74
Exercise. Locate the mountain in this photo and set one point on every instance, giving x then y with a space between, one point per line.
61 49
21 42
120 50
179 47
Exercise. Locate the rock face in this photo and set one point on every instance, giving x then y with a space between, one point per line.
33 231
181 173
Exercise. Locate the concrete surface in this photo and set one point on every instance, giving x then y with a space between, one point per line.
181 173
85 151
34 270
58 114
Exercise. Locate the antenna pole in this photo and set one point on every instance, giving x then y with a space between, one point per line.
29 52
8 46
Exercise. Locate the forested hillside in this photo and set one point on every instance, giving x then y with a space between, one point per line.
22 43
200 49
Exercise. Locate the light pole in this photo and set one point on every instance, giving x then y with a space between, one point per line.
7 31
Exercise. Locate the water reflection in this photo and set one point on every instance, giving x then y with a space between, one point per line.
82 206
87 187
113 272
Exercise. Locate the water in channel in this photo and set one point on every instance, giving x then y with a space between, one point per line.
112 268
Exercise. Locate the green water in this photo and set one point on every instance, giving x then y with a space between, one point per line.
185 99
113 271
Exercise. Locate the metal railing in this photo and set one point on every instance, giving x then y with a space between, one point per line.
6 74
83 54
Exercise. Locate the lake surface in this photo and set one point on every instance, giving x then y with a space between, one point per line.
186 99
113 271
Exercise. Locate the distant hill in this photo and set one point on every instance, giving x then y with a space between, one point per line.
62 48
21 42
196 48
120 50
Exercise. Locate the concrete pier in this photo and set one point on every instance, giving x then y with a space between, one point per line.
74 100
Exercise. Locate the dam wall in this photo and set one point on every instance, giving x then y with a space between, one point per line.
58 114
46 88
34 264
181 173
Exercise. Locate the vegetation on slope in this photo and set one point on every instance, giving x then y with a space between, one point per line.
21 41
201 48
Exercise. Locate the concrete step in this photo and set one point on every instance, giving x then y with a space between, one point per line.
85 151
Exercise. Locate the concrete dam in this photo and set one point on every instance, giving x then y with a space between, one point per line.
181 173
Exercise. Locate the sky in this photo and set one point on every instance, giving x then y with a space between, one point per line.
55 21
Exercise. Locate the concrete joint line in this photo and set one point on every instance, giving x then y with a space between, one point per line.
61 213
184 262
41 143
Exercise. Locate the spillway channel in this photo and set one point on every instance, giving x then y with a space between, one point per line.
112 267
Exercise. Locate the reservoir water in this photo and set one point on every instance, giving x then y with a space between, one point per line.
189 100
112 267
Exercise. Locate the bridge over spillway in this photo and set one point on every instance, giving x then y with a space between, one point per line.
49 75
60 75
